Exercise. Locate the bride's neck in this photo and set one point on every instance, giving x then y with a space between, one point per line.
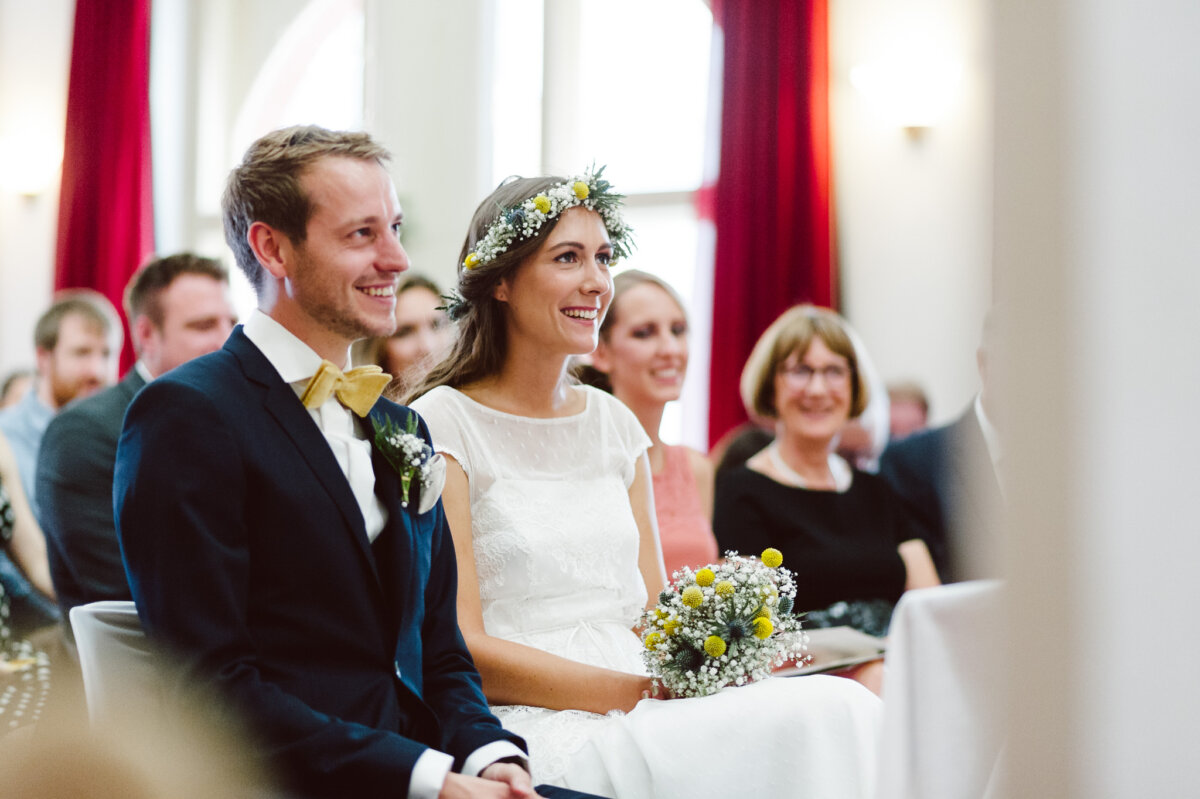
528 387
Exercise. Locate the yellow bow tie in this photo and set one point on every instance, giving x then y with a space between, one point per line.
357 389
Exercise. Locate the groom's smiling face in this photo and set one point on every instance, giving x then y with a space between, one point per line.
343 276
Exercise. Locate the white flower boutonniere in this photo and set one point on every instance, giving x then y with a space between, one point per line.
412 459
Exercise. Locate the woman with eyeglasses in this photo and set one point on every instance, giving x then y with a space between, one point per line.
841 531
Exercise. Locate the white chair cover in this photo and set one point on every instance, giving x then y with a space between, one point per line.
120 674
944 694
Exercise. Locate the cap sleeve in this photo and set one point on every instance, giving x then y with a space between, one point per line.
439 409
628 439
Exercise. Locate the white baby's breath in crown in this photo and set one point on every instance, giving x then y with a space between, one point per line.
515 223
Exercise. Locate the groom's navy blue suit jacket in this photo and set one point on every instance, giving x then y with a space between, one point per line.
248 557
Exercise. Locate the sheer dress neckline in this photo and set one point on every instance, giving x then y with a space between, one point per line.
587 401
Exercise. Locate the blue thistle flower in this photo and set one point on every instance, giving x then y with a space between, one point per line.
785 604
687 659
738 629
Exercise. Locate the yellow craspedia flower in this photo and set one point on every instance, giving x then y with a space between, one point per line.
581 189
671 626
542 203
653 640
772 558
660 614
692 596
714 646
705 577
471 261
763 627
724 588
763 612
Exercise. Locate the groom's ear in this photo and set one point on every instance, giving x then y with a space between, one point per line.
271 247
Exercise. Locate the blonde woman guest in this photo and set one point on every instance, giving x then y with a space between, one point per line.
423 336
642 359
548 497
842 530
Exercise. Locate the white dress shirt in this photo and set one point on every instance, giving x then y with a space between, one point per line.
296 363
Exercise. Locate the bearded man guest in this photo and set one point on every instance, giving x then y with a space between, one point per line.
269 545
76 341
178 308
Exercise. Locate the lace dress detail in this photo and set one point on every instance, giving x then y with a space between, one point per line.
556 548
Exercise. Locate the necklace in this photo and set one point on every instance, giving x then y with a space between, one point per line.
839 471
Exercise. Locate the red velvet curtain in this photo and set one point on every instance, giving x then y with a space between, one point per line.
772 203
106 217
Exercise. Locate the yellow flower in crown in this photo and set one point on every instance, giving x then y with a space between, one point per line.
692 596
724 588
671 626
652 640
471 261
542 203
705 577
714 645
772 558
581 189
763 627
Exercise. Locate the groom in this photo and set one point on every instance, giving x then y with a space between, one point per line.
269 545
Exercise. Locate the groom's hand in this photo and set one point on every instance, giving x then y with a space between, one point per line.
497 781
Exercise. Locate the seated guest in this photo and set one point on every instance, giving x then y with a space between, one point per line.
948 481
76 340
909 409
14 387
178 308
423 335
23 541
24 668
643 356
841 530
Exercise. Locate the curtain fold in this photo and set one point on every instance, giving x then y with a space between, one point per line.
106 217
772 202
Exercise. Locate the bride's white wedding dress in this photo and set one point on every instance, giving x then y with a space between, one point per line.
556 551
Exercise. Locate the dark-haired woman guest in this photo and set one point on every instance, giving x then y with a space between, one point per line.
643 358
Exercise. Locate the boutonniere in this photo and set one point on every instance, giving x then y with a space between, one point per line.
412 458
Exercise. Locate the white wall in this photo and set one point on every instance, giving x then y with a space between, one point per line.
913 214
1097 251
35 40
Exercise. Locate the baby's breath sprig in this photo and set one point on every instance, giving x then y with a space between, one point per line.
406 451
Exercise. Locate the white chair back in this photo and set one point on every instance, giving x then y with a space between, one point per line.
120 669
944 694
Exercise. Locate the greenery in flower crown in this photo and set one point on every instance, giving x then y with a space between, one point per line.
726 624
589 190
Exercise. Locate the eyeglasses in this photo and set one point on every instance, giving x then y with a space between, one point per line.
800 375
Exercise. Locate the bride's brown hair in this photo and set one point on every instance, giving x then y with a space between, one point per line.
482 344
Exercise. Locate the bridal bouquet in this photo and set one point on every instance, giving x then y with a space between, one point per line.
725 624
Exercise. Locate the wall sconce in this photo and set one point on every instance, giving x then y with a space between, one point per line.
29 162
912 91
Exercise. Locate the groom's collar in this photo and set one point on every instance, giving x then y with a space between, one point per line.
292 358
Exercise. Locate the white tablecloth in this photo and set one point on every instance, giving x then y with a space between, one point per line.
944 694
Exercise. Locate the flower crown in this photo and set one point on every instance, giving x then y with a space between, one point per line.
519 222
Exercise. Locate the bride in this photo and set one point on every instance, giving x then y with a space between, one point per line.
548 495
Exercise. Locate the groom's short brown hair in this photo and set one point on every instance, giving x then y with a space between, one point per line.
266 186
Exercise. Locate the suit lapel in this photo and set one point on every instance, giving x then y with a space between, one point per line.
281 402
